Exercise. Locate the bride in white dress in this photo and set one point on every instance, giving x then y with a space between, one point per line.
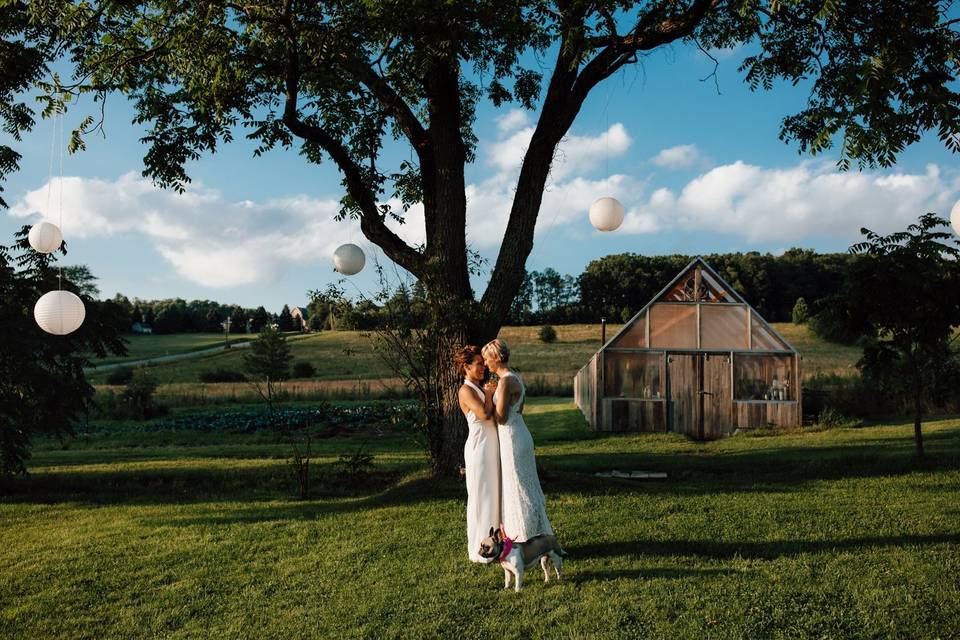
523 507
481 453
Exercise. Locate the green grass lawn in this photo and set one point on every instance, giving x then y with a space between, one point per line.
349 355
831 534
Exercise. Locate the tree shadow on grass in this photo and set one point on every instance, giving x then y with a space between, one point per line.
417 489
783 468
582 577
713 550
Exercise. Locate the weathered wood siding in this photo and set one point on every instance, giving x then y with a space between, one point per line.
633 415
683 374
751 415
586 390
717 396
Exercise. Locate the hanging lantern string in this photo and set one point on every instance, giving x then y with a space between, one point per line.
53 147
60 203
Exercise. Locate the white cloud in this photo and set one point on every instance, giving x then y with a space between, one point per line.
205 237
679 157
574 153
513 119
792 204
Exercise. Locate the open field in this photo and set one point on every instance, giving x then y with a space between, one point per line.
143 534
348 356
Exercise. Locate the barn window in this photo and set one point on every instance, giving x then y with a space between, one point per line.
673 326
723 326
632 375
635 335
764 377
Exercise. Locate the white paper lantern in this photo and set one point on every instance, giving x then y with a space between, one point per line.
955 218
45 237
59 312
348 259
606 214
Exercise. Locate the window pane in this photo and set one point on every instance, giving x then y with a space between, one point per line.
635 335
764 378
763 339
723 326
673 326
632 375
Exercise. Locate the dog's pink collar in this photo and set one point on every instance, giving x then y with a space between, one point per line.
507 546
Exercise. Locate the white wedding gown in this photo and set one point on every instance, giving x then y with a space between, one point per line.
523 506
482 457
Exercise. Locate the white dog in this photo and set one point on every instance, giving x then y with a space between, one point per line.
516 557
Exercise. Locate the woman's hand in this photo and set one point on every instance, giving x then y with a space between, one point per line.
490 388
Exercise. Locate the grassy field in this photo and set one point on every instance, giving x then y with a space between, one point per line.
348 356
831 534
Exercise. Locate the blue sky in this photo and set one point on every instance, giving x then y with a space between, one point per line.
697 171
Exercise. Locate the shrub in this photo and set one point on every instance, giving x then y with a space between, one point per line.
137 397
830 418
547 334
222 375
355 465
801 313
303 369
120 375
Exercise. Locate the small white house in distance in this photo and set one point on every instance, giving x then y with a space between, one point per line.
139 327
698 359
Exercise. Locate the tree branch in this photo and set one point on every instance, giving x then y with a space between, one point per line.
395 105
371 220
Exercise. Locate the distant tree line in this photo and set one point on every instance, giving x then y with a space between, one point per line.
615 287
618 286
179 316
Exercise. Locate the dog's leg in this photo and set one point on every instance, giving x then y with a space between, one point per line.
545 565
557 561
506 579
518 579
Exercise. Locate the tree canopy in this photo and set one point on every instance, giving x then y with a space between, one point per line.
339 79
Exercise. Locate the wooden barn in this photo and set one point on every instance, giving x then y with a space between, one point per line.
696 360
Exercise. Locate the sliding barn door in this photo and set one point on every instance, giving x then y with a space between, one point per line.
700 394
716 396
683 374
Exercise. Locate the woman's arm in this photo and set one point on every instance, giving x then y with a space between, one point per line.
470 402
505 391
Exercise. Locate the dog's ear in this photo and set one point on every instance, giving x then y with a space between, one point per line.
491 532
498 536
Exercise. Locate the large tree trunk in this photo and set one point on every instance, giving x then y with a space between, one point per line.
451 426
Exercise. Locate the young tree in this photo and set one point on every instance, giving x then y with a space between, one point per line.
43 389
340 78
259 320
267 364
800 312
285 320
904 295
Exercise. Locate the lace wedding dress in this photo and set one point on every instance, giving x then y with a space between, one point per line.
523 506
482 457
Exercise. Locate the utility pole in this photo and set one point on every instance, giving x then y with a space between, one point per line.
226 332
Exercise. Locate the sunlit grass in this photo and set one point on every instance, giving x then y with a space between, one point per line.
829 534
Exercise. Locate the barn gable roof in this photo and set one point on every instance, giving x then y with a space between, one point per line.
712 289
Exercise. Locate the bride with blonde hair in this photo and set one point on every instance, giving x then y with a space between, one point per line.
523 507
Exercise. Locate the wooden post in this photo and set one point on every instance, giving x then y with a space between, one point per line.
603 331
